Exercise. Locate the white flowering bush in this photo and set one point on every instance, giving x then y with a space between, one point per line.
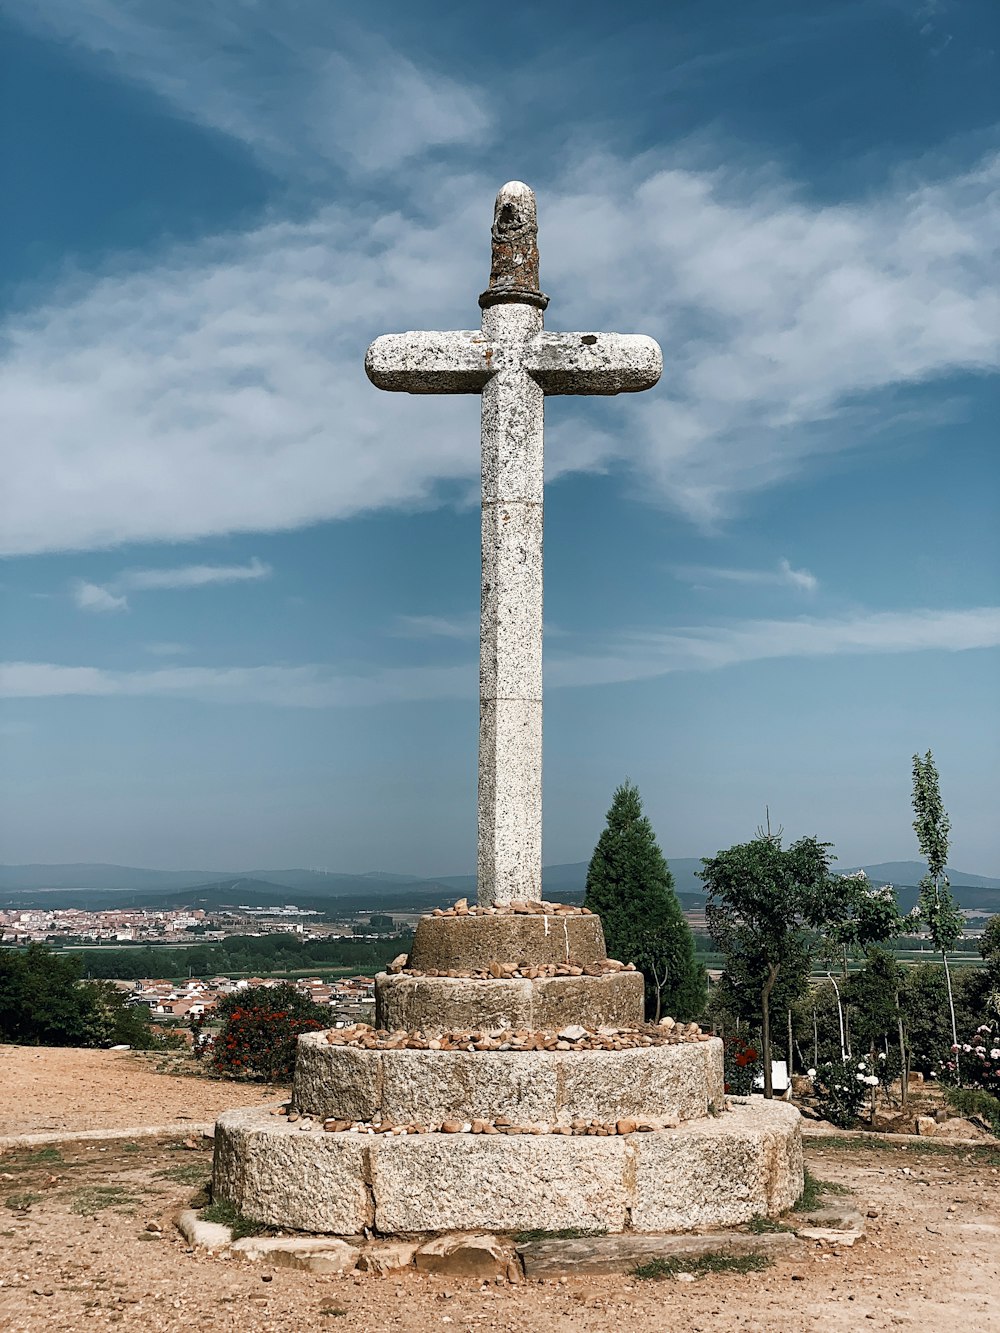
843 1087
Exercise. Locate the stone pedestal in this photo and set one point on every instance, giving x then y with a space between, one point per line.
639 1139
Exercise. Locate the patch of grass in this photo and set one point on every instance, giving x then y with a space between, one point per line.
187 1173
40 1157
984 1156
813 1190
977 1102
766 1226
131 1147
703 1264
229 1217
95 1198
567 1233
20 1203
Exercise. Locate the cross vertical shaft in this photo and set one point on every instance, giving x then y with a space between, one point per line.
510 672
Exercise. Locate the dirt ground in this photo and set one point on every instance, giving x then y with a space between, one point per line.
76 1251
45 1088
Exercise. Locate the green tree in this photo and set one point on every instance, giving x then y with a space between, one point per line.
41 1002
936 906
764 906
630 887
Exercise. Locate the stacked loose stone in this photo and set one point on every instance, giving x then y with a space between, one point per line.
510 1082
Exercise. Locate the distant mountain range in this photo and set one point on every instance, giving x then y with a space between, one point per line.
97 886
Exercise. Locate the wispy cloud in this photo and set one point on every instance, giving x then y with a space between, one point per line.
301 85
280 686
784 576
193 576
434 627
111 596
166 648
634 657
643 655
92 597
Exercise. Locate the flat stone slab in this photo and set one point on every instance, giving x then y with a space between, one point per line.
719 1171
471 942
592 1256
437 1004
554 1087
312 1254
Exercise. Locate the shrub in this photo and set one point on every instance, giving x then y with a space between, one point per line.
977 1061
842 1086
975 1102
260 1028
742 1065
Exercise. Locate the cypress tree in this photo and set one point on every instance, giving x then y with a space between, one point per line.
629 885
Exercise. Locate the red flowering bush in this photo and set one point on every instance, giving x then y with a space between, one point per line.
260 1028
742 1065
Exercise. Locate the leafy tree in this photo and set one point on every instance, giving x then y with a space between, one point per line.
936 906
630 887
41 1003
763 905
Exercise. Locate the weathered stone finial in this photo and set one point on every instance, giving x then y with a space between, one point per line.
514 270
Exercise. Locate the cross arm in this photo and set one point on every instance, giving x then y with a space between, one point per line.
593 363
424 362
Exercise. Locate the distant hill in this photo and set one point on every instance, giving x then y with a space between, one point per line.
912 872
97 886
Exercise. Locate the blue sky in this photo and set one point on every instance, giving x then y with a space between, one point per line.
241 585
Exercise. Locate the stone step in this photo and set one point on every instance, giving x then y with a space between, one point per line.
714 1172
435 1004
340 1082
471 942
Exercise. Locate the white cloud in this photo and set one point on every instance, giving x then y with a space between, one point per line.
634 657
165 648
110 596
281 686
300 85
192 576
222 390
784 575
92 597
434 627
643 655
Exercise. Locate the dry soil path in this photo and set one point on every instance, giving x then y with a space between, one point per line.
45 1088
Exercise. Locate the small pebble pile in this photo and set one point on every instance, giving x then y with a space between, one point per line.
516 908
513 971
573 1038
499 1125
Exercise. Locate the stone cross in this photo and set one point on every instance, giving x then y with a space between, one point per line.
514 364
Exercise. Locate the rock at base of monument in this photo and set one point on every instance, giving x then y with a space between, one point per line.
715 1172
337 1082
437 1004
593 1256
473 942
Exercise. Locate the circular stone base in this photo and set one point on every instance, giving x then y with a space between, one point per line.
713 1172
402 1086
